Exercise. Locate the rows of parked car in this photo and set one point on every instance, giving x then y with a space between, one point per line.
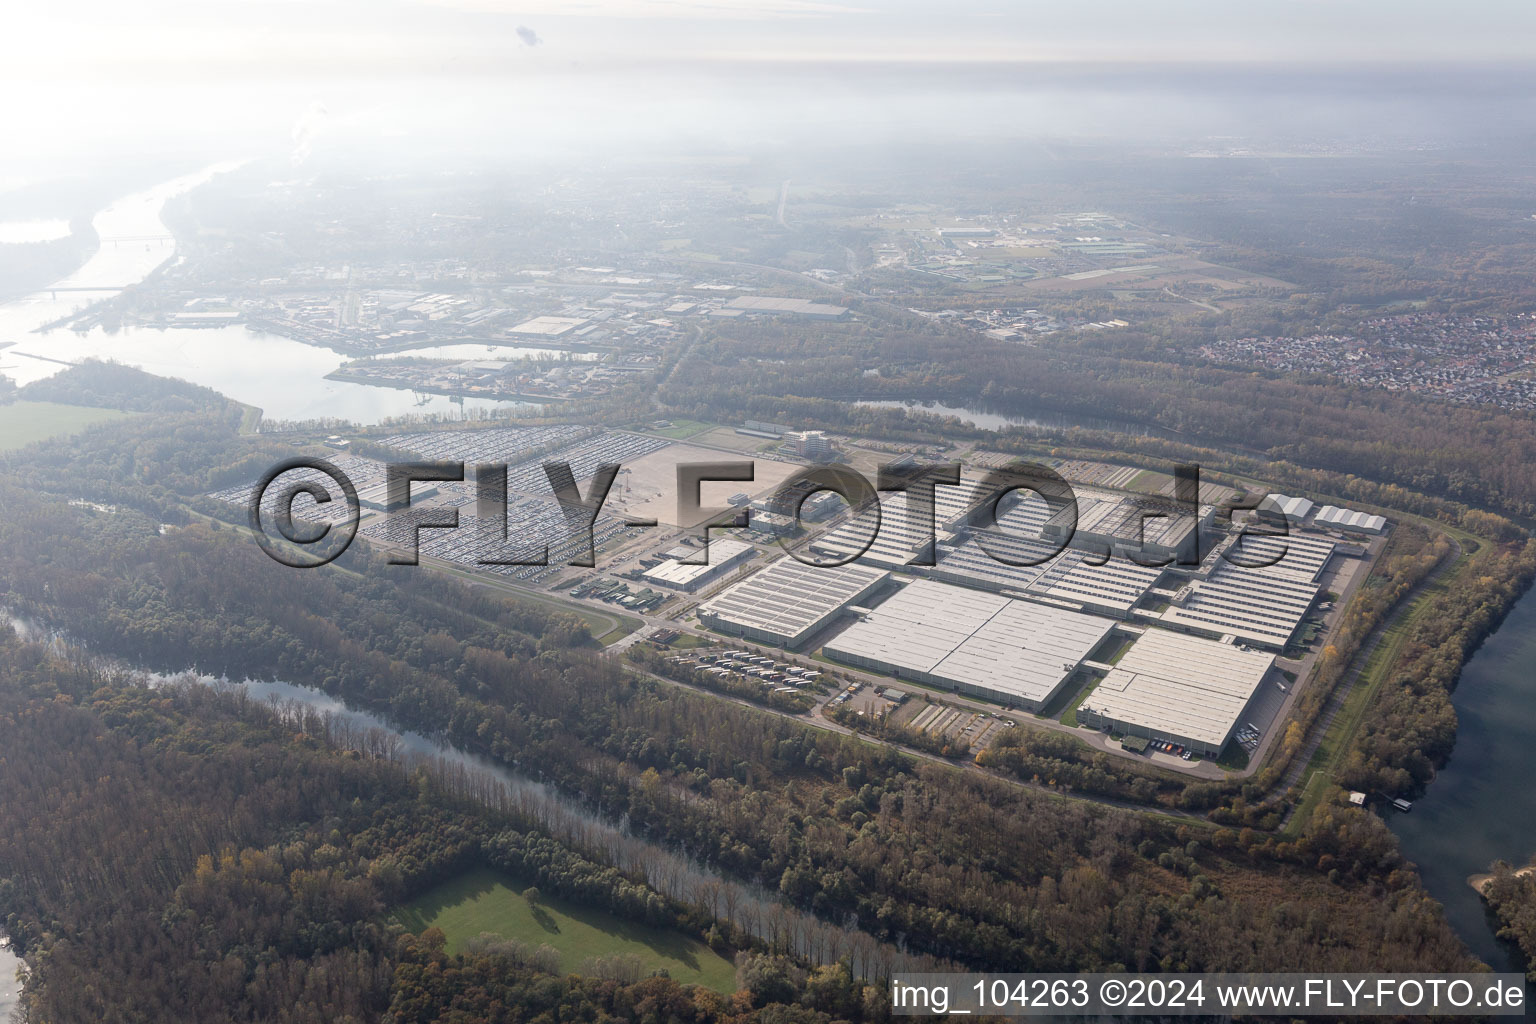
751 665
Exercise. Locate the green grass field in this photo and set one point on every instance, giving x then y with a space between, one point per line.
681 429
486 901
21 423
688 642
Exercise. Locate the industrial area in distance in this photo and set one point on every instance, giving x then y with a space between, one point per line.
1177 639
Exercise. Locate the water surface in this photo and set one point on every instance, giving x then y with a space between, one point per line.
282 377
1482 806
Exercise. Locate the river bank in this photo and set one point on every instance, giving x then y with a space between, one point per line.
1481 808
284 378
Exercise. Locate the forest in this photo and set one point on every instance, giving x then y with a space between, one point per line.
175 853
786 373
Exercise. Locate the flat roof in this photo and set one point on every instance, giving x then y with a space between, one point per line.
1117 584
898 539
789 599
1131 519
1264 604
971 638
675 573
549 326
1298 556
1069 577
1180 686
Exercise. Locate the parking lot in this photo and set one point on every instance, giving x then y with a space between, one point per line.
772 673
977 728
530 522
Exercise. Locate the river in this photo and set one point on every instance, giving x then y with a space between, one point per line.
1482 806
283 377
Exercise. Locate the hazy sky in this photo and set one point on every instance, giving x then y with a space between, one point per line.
91 79
161 37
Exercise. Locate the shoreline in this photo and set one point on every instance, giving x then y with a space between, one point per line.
1479 882
489 396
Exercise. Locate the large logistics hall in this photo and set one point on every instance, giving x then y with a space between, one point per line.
1145 529
896 538
1169 686
787 602
1070 579
983 645
1257 604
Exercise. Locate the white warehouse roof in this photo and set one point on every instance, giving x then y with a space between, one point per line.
897 540
1295 509
1260 603
1180 686
673 572
788 599
1349 519
974 641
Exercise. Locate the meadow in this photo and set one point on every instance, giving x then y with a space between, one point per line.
485 901
22 423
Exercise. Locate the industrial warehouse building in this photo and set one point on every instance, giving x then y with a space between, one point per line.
1069 579
787 602
1134 528
898 539
549 326
1252 602
995 558
1143 529
724 555
1294 509
1168 686
1348 519
981 645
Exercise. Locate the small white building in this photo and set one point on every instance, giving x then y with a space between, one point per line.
724 555
1294 509
1348 519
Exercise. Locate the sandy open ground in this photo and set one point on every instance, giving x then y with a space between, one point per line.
649 489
